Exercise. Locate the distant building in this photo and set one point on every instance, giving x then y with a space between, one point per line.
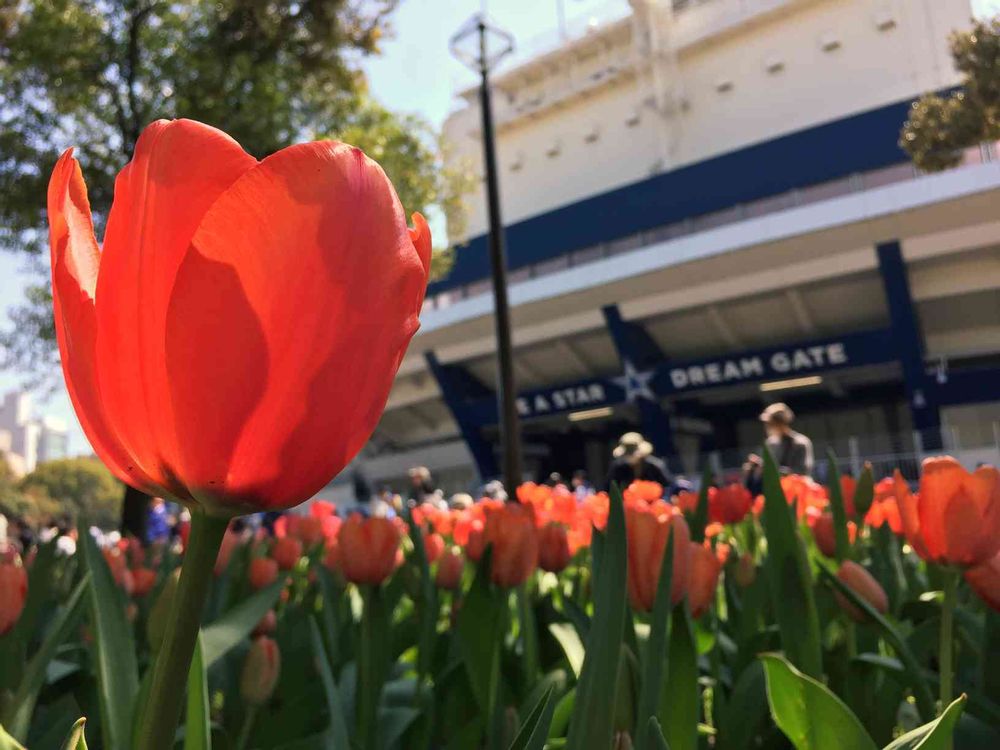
707 210
27 440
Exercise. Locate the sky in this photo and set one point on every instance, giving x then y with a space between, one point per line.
415 73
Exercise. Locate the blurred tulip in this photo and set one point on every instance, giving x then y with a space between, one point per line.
368 548
143 581
310 531
267 625
686 501
449 570
848 486
263 572
955 519
260 671
746 570
862 583
729 504
643 491
230 541
825 535
475 543
13 592
553 547
196 287
511 532
884 508
118 565
331 558
160 614
984 579
433 547
286 552
703 577
804 492
647 529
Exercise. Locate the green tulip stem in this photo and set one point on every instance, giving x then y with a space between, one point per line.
947 646
166 696
248 721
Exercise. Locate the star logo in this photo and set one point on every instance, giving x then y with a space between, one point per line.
635 383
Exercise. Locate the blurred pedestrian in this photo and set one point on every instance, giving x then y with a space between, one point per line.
792 451
634 459
421 486
581 485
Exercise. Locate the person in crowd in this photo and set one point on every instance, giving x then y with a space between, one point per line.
581 485
494 490
421 486
157 521
634 459
792 451
461 501
362 487
753 474
555 479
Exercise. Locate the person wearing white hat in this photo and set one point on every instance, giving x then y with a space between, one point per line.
634 459
792 451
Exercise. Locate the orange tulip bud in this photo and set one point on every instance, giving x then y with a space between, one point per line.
746 570
286 552
13 592
984 579
703 577
197 293
267 625
553 547
825 534
260 671
449 570
433 547
368 548
511 530
263 572
862 583
955 519
143 581
310 530
729 504
647 529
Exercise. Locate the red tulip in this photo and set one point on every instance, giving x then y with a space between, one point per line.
143 581
642 490
848 486
861 582
553 548
884 508
984 579
286 552
331 558
368 548
263 572
824 533
805 492
449 570
686 501
260 671
267 625
13 592
204 341
511 530
703 577
956 517
433 547
475 540
309 530
118 565
647 528
230 541
729 504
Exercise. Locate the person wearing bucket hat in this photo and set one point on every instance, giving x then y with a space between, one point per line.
792 451
634 459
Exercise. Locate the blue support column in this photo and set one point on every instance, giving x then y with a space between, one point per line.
458 389
921 390
639 354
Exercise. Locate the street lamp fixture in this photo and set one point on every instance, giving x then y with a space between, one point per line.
479 44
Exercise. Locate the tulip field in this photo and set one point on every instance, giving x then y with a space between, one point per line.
854 616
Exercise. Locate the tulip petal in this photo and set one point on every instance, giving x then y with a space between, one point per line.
909 515
323 288
179 170
75 263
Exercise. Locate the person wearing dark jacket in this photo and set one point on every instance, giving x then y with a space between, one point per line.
634 459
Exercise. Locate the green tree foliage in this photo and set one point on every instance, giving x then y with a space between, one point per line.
93 73
77 487
941 127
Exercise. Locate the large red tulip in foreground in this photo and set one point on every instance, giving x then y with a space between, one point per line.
233 343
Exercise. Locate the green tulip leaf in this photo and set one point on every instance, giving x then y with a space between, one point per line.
480 629
7 742
198 721
592 722
235 625
841 538
655 657
746 709
336 733
811 716
654 736
77 739
113 646
569 640
22 705
535 729
679 699
933 736
428 606
789 577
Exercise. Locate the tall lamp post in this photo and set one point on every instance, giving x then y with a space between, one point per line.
479 45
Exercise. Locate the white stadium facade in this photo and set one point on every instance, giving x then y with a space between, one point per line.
707 210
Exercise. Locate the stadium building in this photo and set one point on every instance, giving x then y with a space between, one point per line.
706 211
